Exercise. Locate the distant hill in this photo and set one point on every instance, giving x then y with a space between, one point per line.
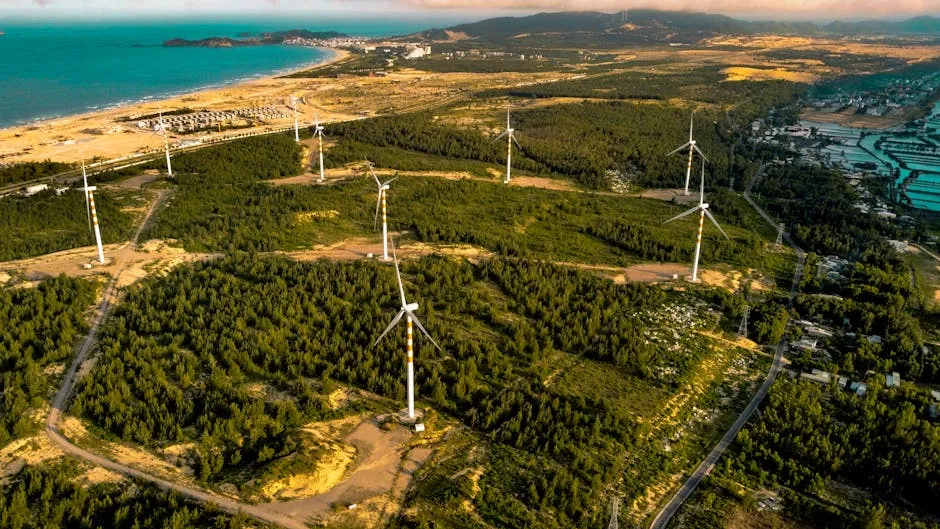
916 25
651 24
276 37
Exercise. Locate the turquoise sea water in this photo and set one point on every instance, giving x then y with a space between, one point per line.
61 68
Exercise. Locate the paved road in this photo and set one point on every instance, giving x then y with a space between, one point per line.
665 515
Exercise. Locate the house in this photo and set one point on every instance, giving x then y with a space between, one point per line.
32 190
805 343
818 376
874 339
859 388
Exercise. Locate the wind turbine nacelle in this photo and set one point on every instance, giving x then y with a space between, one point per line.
705 205
510 130
92 188
411 307
385 187
692 142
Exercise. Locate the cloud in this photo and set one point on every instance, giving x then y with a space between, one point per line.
853 8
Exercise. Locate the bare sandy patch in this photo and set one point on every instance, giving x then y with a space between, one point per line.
330 469
98 475
741 73
28 450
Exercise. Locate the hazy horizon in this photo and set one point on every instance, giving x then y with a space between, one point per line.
452 11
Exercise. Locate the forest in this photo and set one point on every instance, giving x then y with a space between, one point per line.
40 328
28 171
49 222
582 141
178 354
841 461
52 494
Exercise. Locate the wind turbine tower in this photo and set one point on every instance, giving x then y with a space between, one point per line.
408 311
510 138
702 208
693 148
293 105
84 185
380 204
166 146
318 132
90 206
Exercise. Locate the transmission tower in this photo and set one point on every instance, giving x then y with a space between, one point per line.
779 234
614 514
742 329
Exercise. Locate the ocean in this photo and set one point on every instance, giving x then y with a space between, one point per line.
59 68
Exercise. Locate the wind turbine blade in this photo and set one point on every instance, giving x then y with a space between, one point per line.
683 214
514 140
681 147
378 204
421 327
699 151
390 181
498 137
372 170
691 124
507 118
401 288
715 222
395 321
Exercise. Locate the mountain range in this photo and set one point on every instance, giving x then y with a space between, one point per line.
676 25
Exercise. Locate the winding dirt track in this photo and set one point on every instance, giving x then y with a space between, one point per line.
70 378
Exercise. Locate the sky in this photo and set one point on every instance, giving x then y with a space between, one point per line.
821 10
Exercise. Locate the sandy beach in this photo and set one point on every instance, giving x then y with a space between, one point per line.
106 133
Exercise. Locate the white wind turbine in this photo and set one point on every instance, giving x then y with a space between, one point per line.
702 208
693 148
92 213
380 204
318 132
166 146
408 311
510 137
293 105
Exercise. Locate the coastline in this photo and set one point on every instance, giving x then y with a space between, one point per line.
34 141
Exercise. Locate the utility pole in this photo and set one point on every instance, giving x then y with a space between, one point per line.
742 329
614 514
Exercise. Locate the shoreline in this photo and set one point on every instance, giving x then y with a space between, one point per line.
337 55
106 134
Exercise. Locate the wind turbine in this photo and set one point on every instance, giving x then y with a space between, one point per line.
693 148
166 146
408 311
293 105
702 208
90 206
510 137
318 132
383 191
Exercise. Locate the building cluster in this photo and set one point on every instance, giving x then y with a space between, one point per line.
336 42
900 93
202 120
479 54
816 338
